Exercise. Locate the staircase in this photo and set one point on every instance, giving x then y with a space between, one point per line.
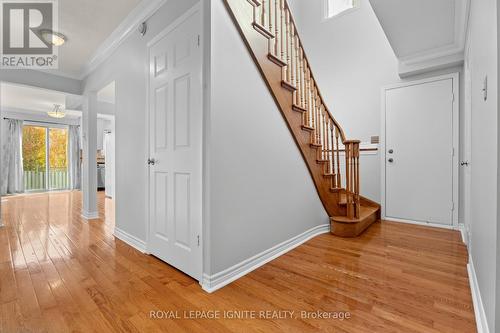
270 33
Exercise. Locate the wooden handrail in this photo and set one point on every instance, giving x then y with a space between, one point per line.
342 134
274 20
287 46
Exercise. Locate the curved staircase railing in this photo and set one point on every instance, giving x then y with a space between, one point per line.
271 35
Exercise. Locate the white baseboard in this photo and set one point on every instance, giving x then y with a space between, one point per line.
133 241
480 314
424 224
219 280
463 232
90 215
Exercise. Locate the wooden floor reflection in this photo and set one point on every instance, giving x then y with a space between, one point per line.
59 273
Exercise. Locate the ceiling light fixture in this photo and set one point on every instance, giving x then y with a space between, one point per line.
57 112
54 38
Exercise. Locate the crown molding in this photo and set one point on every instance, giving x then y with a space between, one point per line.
438 52
458 45
444 56
431 64
447 54
139 14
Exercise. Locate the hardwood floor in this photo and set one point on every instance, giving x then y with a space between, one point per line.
60 274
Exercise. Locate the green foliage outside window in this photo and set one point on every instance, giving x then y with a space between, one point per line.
34 148
58 146
34 144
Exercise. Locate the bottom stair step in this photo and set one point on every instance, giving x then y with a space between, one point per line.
345 227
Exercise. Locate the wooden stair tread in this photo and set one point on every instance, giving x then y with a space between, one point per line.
263 31
255 3
280 73
298 108
288 86
276 60
344 227
364 212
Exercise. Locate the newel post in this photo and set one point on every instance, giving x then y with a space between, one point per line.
352 178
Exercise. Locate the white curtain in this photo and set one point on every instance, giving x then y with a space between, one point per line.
74 146
12 159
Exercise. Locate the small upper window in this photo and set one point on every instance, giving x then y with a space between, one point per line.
336 7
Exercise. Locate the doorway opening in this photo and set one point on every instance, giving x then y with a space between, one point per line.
106 171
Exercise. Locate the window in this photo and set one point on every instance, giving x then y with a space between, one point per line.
34 157
336 7
45 158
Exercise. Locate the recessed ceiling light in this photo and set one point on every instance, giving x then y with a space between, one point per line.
54 38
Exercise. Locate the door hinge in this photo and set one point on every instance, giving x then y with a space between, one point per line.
198 240
452 205
453 97
452 151
198 40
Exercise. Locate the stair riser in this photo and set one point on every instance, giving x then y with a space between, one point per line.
272 70
350 230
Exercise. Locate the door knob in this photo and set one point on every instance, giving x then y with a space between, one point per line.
465 163
390 151
151 161
390 160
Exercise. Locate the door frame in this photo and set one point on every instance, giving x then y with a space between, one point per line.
201 9
465 222
455 77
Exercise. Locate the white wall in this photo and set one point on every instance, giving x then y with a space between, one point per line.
128 68
110 160
352 60
484 162
100 133
261 193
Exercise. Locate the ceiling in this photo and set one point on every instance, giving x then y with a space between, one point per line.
25 99
86 24
424 32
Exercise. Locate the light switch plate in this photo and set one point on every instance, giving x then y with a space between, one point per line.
485 88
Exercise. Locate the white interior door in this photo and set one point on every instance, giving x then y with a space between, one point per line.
175 127
419 162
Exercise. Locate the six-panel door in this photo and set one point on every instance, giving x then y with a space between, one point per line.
175 127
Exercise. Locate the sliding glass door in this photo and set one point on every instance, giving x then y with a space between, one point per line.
35 158
45 158
58 158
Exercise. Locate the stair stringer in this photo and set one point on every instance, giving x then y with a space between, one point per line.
242 13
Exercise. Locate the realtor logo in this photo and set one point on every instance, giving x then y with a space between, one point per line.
23 24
